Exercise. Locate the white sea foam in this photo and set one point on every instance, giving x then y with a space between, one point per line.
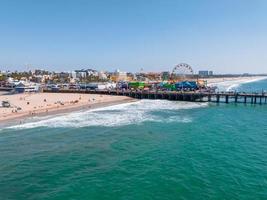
231 85
119 115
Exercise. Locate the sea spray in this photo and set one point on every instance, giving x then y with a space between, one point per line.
119 115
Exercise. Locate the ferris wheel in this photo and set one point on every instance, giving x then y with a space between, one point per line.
182 71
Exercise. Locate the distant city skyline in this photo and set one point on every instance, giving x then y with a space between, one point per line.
64 35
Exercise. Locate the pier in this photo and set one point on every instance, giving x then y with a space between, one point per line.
6 88
196 96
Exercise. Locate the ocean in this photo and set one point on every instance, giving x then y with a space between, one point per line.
151 149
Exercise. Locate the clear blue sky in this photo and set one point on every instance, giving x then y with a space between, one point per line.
221 35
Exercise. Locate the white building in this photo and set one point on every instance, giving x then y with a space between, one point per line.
92 72
81 73
102 75
120 76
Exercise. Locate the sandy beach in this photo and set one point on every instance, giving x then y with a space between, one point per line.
216 81
231 83
28 105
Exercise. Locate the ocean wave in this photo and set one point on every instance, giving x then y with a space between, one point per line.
231 85
119 115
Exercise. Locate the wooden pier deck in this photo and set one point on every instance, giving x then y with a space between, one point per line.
227 97
6 88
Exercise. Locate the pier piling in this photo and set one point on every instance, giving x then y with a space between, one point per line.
226 99
236 98
217 98
191 96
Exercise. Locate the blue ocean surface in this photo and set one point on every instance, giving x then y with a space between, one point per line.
150 149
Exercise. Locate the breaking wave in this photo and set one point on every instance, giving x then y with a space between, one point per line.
161 111
232 85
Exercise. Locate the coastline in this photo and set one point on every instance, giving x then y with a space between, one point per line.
33 105
23 117
215 81
230 83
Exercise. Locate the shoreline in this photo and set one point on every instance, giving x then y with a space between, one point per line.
230 84
241 80
25 116
17 120
33 105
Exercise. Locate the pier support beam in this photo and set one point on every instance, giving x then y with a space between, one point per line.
209 98
191 98
236 98
253 98
217 98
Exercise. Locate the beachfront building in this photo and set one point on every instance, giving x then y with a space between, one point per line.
27 87
41 72
119 76
98 86
61 77
203 73
153 76
102 75
92 72
86 75
141 77
47 78
82 73
12 81
131 76
165 76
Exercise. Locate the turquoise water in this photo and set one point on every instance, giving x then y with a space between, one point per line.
143 150
259 86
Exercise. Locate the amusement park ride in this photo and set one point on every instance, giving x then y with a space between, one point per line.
182 72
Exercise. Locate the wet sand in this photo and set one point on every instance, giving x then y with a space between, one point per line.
25 106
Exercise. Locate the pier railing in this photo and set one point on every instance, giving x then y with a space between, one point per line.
191 96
